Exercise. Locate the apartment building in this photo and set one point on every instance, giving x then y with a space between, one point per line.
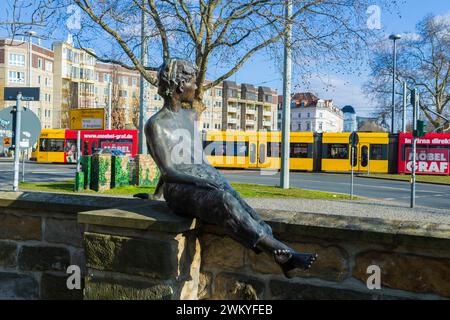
248 108
73 81
70 78
311 114
24 64
211 118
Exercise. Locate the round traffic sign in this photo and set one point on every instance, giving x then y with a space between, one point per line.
354 139
30 126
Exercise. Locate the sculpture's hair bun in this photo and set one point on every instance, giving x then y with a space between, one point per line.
171 73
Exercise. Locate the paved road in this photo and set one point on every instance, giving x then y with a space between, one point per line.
435 196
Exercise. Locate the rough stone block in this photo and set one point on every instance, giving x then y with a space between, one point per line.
79 181
120 175
149 257
8 253
101 172
54 287
147 172
42 258
65 231
15 286
126 289
407 272
20 227
237 287
286 290
221 252
331 264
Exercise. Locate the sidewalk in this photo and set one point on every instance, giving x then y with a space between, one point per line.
358 208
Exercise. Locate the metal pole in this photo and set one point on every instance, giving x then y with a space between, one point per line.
413 167
286 111
142 146
17 137
368 160
394 67
30 48
351 181
109 104
78 150
23 165
404 107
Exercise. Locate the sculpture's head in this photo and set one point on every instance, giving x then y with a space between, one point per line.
176 79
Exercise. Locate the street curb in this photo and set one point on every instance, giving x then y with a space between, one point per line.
392 179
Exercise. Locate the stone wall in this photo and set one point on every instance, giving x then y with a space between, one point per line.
414 260
137 249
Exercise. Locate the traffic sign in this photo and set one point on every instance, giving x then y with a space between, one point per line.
28 94
354 139
87 119
7 142
30 126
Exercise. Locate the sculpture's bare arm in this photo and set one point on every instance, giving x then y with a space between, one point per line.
169 173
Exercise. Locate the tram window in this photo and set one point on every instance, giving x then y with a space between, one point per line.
336 151
378 152
273 149
222 148
300 150
51 145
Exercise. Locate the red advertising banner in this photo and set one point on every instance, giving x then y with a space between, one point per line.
125 147
428 161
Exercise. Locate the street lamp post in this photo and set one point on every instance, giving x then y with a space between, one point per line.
394 37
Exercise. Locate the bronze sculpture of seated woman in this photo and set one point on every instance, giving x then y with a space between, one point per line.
190 185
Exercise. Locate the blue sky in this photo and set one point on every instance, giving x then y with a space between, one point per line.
345 89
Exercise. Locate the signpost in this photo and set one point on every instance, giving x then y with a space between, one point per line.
353 141
87 119
15 124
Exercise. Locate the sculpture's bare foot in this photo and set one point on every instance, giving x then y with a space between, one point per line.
289 260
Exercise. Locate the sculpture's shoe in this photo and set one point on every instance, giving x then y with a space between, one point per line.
290 261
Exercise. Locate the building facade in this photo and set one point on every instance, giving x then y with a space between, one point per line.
311 114
28 65
350 124
248 108
70 78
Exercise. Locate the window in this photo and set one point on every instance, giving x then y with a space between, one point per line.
378 152
273 149
123 93
308 115
320 115
39 63
335 151
308 126
222 148
16 59
301 150
134 82
39 79
51 145
320 126
48 66
219 92
107 77
16 77
299 127
268 98
97 76
299 115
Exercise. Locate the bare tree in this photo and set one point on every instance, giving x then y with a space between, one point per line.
222 34
423 63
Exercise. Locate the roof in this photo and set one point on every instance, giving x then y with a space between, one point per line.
348 109
248 87
307 98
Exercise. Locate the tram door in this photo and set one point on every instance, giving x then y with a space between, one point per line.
253 154
363 159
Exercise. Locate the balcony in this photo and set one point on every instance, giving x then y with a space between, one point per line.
232 120
250 111
267 113
267 123
250 122
232 109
